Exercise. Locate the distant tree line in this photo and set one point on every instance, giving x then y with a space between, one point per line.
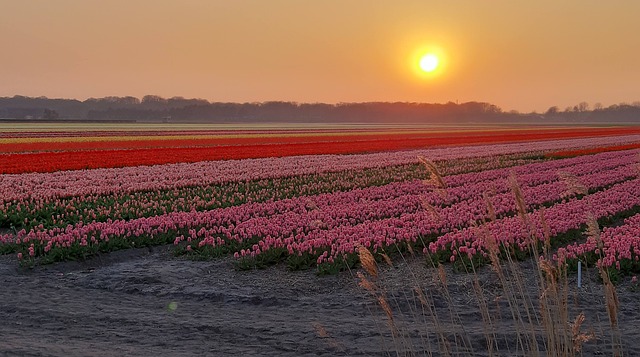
178 109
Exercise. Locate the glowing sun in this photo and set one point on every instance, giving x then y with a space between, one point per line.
429 62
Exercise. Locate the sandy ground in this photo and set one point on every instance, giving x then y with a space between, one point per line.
148 303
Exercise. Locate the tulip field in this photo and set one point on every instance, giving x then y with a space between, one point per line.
311 198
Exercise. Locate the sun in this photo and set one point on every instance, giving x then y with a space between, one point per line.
429 62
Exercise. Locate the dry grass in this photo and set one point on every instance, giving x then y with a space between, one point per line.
543 323
435 178
367 261
574 186
611 296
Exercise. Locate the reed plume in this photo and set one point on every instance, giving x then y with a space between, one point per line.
574 186
367 261
435 177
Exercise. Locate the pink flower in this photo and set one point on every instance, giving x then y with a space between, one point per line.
20 257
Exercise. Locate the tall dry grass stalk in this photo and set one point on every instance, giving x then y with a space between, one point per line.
369 264
578 337
540 323
574 186
435 178
429 208
491 211
434 173
610 294
367 261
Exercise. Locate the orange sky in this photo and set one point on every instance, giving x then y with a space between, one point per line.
523 55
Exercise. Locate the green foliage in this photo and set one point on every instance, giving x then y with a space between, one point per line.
349 261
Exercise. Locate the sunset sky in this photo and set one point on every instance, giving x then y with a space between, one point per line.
522 55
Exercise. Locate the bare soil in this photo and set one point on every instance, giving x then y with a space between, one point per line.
146 302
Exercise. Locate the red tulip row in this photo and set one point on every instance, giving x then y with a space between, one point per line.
127 180
110 158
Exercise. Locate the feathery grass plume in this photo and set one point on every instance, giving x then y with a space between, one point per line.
530 240
367 261
574 186
610 294
435 177
611 297
382 301
546 232
491 245
519 196
548 268
443 193
387 259
491 210
429 208
311 206
442 275
366 283
580 338
554 307
317 224
593 231
385 307
410 249
421 296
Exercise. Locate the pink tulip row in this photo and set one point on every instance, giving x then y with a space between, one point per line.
344 209
163 177
614 245
395 199
342 212
560 218
583 167
334 222
461 187
401 195
411 224
29 213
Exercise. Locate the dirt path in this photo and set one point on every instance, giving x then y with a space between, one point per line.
122 306
148 303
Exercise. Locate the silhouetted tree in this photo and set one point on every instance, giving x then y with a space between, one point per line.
552 111
581 107
50 114
156 108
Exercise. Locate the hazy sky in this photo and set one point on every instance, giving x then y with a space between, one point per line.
524 55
